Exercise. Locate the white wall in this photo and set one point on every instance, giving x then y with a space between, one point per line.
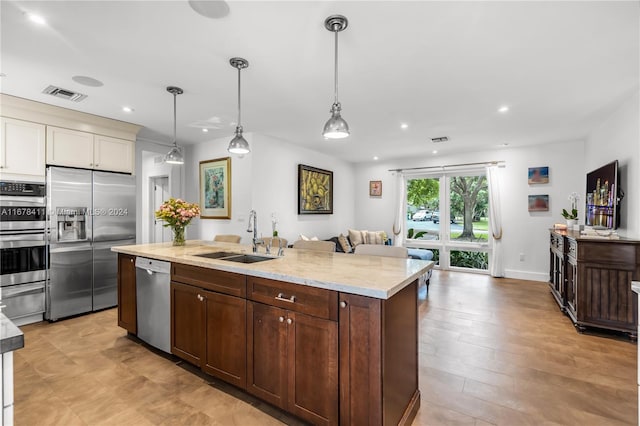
146 151
266 180
523 232
618 138
241 181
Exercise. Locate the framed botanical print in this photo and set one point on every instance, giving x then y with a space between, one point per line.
375 188
215 188
315 190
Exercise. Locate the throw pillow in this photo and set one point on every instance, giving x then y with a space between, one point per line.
356 237
375 237
305 238
344 243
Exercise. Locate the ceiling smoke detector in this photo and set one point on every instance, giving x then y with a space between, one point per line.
59 92
440 139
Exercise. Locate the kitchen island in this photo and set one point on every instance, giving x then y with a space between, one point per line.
329 337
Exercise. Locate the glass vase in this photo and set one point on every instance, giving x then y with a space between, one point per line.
178 236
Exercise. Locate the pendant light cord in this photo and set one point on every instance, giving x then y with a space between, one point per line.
335 70
175 141
239 109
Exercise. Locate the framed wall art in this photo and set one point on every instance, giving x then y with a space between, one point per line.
539 203
538 175
375 188
315 190
215 188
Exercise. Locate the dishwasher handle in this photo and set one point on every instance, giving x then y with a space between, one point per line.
153 265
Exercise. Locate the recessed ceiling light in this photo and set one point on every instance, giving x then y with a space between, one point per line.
504 144
404 125
205 130
87 81
36 19
214 9
127 109
2 74
503 109
375 158
434 151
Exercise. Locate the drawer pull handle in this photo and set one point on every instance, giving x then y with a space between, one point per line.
343 304
289 321
281 319
281 297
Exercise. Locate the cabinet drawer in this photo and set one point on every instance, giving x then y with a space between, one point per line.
210 279
308 300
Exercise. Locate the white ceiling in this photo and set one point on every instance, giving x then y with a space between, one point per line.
442 67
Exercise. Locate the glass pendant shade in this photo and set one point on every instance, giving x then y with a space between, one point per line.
174 156
335 127
239 144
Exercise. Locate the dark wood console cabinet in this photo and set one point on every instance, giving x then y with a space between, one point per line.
591 280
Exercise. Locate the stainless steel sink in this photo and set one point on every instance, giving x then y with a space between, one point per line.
234 257
247 258
217 254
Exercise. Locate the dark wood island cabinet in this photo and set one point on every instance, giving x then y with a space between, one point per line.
327 356
127 309
591 280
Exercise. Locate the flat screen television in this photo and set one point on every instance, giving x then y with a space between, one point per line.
603 197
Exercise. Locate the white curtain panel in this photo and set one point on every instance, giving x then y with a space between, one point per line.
496 265
400 219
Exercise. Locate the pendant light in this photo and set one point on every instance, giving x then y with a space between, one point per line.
175 155
336 127
239 144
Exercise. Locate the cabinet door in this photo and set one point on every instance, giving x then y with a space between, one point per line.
22 150
69 148
226 335
127 318
187 323
360 360
313 368
113 154
267 353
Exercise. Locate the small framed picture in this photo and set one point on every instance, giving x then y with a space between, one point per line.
375 188
215 188
538 175
539 203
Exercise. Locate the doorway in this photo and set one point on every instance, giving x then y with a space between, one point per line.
158 192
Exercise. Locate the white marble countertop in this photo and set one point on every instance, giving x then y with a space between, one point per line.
635 286
11 337
373 276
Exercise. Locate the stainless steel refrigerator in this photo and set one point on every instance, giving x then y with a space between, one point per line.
88 212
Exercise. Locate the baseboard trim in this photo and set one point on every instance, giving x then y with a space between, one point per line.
527 275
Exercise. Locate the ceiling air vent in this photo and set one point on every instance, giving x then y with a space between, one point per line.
440 139
59 92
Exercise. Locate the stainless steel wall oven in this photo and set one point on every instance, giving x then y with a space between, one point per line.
24 253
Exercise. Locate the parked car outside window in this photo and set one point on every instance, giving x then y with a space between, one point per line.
421 215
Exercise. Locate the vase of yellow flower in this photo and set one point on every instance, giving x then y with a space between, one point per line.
177 214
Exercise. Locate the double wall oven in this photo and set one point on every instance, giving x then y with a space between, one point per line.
24 253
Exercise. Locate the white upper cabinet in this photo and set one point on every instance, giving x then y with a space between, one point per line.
69 148
113 154
73 148
22 150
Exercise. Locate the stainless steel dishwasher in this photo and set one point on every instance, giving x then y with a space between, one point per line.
153 302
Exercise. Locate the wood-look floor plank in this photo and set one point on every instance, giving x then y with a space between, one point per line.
491 352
